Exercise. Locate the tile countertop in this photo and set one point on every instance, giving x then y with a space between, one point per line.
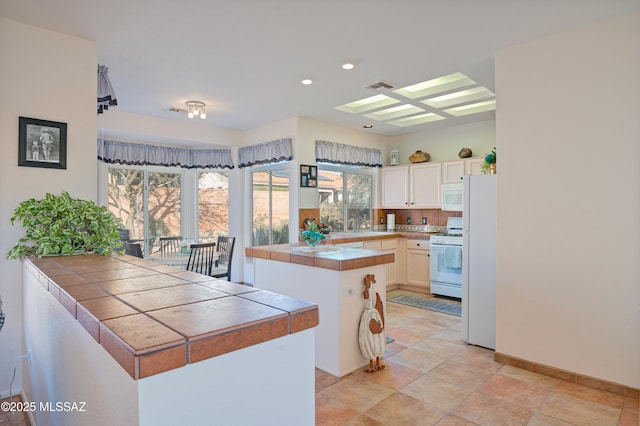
154 318
327 256
324 256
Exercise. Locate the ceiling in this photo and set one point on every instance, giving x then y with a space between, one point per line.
246 58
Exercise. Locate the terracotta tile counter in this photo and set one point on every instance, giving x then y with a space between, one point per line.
324 256
153 318
333 278
136 342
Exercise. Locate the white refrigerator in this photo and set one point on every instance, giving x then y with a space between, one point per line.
479 260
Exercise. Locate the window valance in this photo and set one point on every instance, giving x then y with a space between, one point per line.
265 153
151 155
337 153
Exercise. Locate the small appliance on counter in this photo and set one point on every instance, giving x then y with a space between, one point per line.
391 222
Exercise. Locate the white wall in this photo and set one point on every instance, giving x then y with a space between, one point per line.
49 76
444 144
569 201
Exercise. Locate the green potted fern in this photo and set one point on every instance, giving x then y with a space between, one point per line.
62 225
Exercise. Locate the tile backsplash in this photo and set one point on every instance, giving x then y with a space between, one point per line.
435 217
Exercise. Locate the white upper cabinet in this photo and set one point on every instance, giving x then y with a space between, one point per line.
473 166
425 179
452 171
415 186
395 187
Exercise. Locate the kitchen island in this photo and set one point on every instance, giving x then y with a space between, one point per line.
130 341
332 278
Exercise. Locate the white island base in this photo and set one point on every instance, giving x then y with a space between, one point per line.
339 296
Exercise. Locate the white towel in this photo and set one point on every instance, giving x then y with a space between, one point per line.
453 257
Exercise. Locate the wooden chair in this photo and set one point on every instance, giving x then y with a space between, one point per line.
133 249
225 252
169 245
201 258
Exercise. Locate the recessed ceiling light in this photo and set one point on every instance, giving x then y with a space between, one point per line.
307 81
368 126
347 66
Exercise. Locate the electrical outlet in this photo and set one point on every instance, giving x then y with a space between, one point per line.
408 221
348 292
381 220
424 220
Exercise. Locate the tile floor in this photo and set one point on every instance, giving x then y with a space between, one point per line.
432 377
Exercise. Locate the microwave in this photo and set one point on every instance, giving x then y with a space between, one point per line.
452 197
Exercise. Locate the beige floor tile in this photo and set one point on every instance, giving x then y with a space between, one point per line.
439 347
579 411
363 420
542 420
417 360
530 377
515 392
357 393
452 420
451 334
324 380
393 348
590 394
478 357
437 392
461 374
484 410
402 410
406 335
394 376
330 412
629 419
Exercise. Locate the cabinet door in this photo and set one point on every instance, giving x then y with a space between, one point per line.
452 171
395 184
418 267
371 245
473 166
425 186
391 246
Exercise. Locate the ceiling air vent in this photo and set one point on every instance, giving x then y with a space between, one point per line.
380 85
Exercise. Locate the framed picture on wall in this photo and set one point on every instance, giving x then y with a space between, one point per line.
42 143
308 176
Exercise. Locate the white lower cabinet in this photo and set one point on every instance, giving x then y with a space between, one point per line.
418 263
390 246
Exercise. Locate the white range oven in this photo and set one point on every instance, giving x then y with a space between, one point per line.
446 260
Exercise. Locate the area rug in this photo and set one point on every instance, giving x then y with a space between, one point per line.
432 305
390 339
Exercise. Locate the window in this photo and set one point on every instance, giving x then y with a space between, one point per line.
345 197
270 205
213 205
149 200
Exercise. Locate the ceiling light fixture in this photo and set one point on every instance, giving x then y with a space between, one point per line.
347 66
196 109
307 81
368 126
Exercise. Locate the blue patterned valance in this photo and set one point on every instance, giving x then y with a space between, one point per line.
265 153
337 153
150 155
